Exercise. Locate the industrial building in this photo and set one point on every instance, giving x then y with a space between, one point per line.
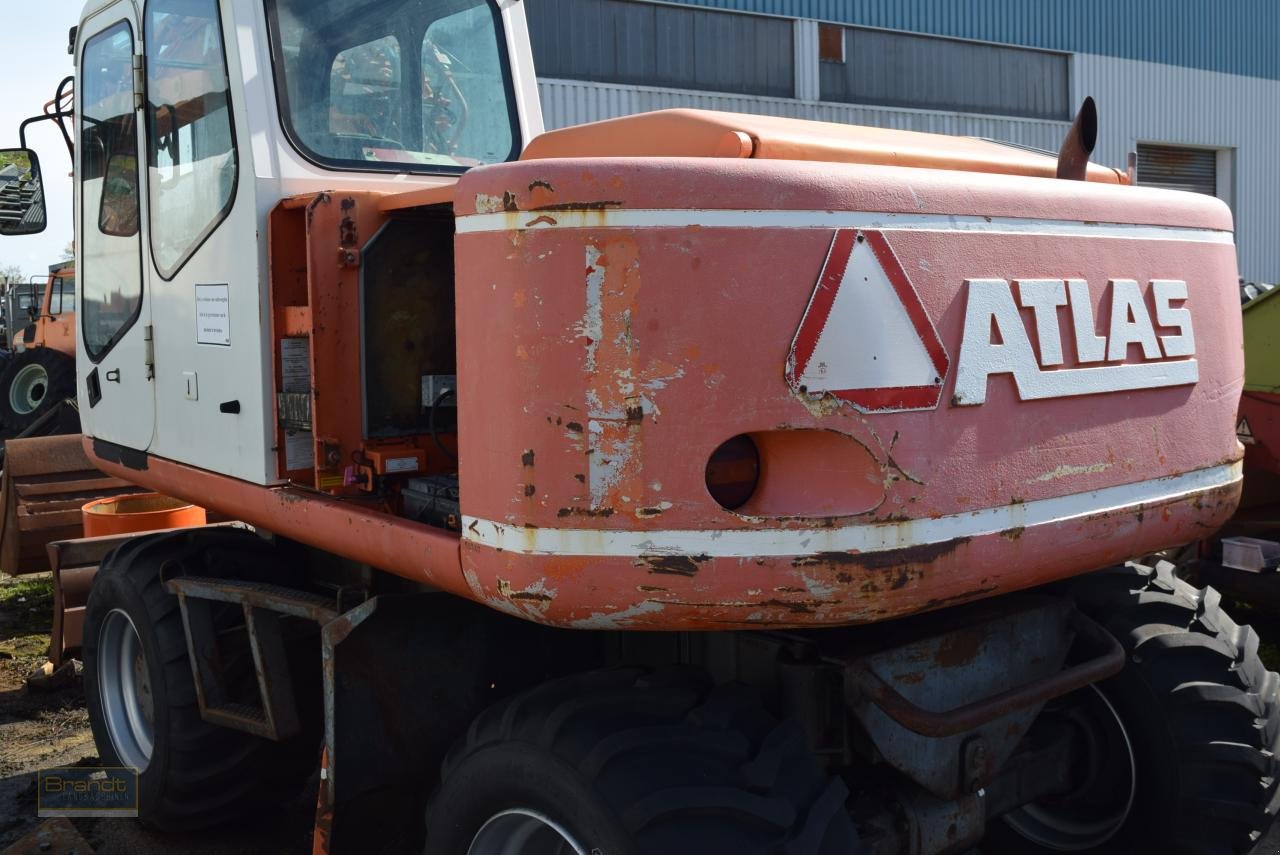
1192 88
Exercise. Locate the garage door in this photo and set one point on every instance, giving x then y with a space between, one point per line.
1178 168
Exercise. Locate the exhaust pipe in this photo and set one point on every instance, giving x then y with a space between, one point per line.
1073 157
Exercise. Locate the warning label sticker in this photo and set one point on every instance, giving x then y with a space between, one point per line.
213 315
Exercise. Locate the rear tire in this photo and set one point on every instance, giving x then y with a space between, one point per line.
625 762
194 774
32 383
1200 712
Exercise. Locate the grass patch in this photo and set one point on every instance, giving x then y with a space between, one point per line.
26 606
30 587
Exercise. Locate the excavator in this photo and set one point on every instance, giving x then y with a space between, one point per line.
680 483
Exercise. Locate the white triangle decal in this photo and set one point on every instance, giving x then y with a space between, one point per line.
865 336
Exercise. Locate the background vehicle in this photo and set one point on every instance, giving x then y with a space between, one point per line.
689 482
39 375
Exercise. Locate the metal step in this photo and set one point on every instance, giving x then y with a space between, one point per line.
276 717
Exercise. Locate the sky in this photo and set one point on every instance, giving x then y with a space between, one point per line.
34 47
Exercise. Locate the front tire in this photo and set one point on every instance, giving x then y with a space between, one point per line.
626 762
141 694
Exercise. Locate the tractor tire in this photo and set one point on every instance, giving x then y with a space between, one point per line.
141 694
628 762
31 383
1200 711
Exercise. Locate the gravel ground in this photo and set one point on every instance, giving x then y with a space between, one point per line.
38 731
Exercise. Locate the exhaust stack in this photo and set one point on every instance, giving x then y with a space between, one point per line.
1073 157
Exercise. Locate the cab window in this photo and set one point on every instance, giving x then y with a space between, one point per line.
400 85
108 153
191 156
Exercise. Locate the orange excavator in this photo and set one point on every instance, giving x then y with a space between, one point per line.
686 483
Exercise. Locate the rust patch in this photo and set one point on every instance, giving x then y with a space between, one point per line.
1014 534
648 512
923 554
538 182
673 565
575 206
584 512
526 459
652 589
911 678
961 647
959 598
798 607
536 596
576 427
529 490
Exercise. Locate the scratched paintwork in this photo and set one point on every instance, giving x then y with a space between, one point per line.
624 356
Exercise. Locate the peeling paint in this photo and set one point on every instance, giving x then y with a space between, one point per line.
486 204
619 619
653 510
1065 471
674 565
591 327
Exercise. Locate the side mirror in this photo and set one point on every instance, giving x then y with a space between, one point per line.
21 193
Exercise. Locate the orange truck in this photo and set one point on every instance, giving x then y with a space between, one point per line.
682 483
40 330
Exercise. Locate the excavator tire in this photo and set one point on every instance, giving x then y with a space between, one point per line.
31 383
631 762
1200 710
141 694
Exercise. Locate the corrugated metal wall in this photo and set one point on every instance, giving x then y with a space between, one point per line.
1235 36
1148 102
1138 101
904 70
615 41
572 102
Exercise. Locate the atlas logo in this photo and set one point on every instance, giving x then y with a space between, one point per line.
996 340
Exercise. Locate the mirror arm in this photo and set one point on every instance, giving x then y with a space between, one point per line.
57 115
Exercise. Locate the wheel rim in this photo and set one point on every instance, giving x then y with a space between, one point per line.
1078 821
520 831
28 389
125 684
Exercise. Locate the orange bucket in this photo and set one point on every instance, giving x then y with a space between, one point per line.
138 512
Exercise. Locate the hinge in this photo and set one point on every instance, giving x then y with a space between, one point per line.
150 351
139 83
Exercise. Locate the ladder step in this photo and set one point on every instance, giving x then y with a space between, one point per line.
260 595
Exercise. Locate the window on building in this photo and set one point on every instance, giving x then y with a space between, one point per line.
655 44
191 156
830 43
108 174
925 72
1178 168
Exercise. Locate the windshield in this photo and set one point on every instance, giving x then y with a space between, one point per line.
404 85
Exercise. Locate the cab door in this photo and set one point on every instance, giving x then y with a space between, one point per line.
114 363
